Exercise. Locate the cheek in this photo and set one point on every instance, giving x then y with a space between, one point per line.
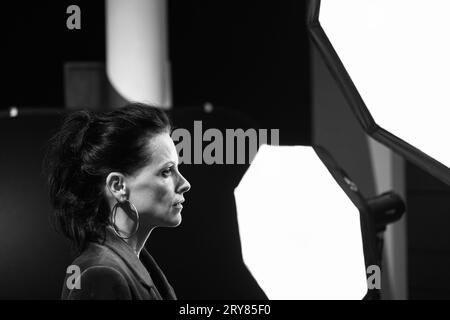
154 196
163 194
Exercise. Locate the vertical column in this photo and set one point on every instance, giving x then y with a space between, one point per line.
137 63
388 171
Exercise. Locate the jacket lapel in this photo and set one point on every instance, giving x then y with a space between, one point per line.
145 268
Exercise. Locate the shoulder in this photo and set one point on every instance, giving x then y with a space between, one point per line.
98 282
98 273
98 255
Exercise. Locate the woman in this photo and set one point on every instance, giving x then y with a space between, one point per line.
113 178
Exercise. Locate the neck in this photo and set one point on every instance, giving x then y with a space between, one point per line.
127 226
137 241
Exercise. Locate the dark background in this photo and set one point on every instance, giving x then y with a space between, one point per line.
249 56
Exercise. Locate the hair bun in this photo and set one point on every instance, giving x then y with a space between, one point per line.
76 128
85 117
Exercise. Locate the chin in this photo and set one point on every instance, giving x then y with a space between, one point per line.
176 224
175 221
178 221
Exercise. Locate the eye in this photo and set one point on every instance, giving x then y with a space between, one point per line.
167 172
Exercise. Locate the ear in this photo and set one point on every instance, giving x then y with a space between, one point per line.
116 186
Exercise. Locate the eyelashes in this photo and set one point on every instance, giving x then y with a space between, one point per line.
167 172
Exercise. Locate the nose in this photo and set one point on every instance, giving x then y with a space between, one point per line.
184 185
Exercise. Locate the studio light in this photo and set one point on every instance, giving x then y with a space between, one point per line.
391 60
300 232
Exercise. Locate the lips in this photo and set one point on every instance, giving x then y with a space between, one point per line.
179 204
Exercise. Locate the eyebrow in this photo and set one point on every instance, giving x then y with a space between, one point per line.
168 162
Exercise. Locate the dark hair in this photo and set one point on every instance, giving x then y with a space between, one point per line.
81 155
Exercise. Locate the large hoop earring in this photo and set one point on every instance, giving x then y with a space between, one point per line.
113 213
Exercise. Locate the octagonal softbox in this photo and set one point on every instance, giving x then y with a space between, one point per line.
390 60
300 226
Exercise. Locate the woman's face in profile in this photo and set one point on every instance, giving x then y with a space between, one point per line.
157 189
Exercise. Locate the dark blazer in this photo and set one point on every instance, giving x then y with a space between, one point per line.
112 271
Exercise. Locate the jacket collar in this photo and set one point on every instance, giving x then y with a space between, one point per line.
124 251
164 287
